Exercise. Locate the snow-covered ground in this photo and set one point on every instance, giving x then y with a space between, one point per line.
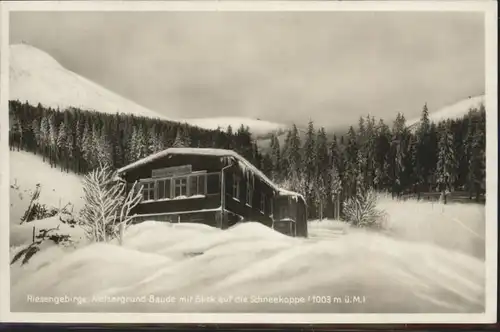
413 268
57 188
36 77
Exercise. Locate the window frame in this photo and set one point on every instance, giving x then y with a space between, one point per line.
249 190
236 187
148 187
180 184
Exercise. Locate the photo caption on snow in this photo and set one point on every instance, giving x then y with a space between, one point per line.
198 299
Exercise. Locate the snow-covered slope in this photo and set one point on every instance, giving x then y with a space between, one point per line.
418 264
257 127
453 111
36 77
57 188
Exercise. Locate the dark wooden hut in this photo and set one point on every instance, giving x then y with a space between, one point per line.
212 186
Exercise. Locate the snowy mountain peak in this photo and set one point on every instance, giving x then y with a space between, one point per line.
37 77
453 111
257 127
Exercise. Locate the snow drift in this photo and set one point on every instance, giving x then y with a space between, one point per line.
36 77
162 264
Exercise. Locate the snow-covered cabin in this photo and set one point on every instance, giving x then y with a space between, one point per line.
216 187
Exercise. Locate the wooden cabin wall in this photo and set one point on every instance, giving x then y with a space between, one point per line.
199 163
239 206
301 221
289 204
179 205
212 199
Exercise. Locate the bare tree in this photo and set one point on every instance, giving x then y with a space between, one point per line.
107 208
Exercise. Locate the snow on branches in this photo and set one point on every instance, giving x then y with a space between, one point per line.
107 208
361 210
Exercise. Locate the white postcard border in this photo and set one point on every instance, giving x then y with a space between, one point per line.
489 8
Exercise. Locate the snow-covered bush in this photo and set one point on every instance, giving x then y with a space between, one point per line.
36 210
44 236
361 210
107 206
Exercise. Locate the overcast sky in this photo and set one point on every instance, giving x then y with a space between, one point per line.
330 67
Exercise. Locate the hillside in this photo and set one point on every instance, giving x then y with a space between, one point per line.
57 188
37 77
453 111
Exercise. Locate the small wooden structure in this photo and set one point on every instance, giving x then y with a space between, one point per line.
216 187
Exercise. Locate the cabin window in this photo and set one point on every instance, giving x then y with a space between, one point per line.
202 185
197 185
249 196
236 187
148 192
263 203
164 189
180 187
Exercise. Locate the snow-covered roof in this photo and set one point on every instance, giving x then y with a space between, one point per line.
245 164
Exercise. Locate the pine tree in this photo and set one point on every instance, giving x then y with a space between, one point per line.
16 132
351 160
369 149
53 157
138 144
285 156
62 141
422 151
309 154
477 160
335 189
294 157
447 163
322 167
179 141
35 129
398 154
381 156
44 136
103 148
152 140
309 164
276 158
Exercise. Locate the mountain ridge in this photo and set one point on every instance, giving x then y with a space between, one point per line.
36 77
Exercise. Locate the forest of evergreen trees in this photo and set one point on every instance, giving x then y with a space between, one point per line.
400 159
426 157
77 140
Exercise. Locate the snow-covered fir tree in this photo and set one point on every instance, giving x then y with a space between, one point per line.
447 162
422 151
276 172
477 159
351 160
